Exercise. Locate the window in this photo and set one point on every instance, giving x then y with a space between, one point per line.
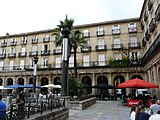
117 56
132 25
116 29
34 50
23 53
133 41
44 62
11 64
58 62
134 55
86 60
58 49
21 64
101 59
1 65
100 31
117 42
71 61
23 40
31 63
2 51
101 44
86 33
45 48
12 50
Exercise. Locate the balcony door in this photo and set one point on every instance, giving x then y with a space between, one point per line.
86 60
1 65
21 64
11 64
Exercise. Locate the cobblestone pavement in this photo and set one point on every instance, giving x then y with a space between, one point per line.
102 110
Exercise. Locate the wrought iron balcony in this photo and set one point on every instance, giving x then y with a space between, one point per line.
152 25
23 42
153 48
144 41
132 30
101 47
145 15
86 34
116 31
46 39
150 4
2 56
57 51
33 53
157 13
85 49
147 34
11 55
13 43
4 44
142 25
100 33
134 45
34 41
117 46
22 54
45 52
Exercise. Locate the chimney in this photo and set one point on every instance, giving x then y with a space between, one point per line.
7 33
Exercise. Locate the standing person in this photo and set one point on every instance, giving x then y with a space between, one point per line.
154 107
155 116
142 114
2 109
133 112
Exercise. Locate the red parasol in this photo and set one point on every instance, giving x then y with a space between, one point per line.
137 83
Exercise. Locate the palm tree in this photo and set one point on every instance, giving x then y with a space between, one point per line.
75 39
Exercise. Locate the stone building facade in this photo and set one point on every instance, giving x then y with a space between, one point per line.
104 60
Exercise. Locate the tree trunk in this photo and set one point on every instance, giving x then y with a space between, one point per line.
75 62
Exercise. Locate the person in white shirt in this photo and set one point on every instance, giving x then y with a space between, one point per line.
133 112
155 116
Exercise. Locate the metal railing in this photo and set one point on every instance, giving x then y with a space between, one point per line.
32 107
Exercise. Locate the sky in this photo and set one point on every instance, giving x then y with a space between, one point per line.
20 16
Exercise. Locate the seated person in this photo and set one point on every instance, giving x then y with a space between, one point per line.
2 108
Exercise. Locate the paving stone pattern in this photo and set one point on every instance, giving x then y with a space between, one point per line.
102 110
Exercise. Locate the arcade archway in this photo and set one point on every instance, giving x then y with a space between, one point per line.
86 80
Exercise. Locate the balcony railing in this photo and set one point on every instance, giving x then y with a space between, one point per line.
86 49
101 47
152 25
45 52
134 45
2 56
13 43
22 54
142 25
117 46
57 51
34 41
11 55
132 30
157 13
144 41
116 31
46 39
100 33
145 15
33 53
147 34
4 44
150 4
86 34
153 48
23 42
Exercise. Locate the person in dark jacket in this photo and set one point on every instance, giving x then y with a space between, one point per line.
142 114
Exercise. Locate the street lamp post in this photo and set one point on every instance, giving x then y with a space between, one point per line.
35 60
65 32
